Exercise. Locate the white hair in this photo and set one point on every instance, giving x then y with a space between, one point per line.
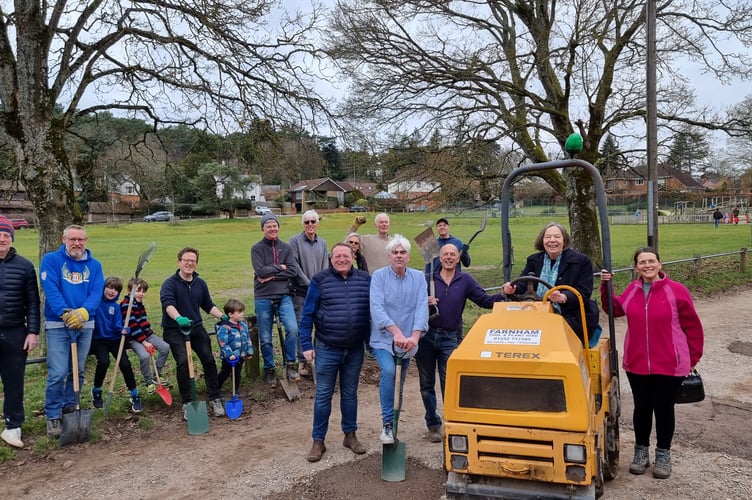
308 214
397 241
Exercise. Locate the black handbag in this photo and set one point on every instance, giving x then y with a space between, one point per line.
692 389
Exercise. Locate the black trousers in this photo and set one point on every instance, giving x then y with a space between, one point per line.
654 395
201 346
102 349
12 367
226 370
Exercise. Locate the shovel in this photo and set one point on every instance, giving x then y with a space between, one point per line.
289 387
481 229
195 412
163 392
234 407
394 456
76 425
110 392
429 249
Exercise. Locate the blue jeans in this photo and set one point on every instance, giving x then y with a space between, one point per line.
388 365
330 362
434 350
59 392
266 309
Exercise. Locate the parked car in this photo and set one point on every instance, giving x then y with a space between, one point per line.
158 216
417 208
358 208
263 210
19 223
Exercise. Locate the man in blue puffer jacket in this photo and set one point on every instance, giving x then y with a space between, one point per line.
337 303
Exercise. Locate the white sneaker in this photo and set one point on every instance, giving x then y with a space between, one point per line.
217 408
12 437
387 435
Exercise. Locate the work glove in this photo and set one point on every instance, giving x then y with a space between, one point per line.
359 221
183 322
75 318
465 248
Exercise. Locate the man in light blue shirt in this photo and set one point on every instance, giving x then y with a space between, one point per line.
399 316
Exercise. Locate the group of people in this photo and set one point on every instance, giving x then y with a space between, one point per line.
332 304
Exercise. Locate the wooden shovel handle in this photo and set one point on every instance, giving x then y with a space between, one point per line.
74 361
189 354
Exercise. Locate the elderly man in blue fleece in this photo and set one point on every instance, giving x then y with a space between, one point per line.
399 316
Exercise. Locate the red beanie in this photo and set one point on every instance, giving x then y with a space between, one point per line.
7 227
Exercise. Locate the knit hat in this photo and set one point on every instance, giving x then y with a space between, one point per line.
7 227
267 217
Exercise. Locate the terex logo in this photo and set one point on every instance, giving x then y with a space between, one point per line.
517 355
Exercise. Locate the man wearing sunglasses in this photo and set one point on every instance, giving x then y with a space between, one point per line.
311 255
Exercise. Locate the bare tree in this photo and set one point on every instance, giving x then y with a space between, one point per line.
217 64
533 72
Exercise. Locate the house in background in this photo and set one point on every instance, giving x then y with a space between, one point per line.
316 193
415 190
633 181
14 201
249 188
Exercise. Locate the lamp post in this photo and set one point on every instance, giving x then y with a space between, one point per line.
652 125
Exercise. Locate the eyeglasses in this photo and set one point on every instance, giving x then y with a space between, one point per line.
189 261
76 240
354 242
399 252
310 222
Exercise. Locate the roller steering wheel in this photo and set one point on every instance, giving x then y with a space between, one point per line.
530 295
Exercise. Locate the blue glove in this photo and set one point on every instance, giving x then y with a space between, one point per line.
183 322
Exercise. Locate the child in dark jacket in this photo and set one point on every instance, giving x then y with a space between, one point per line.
142 337
234 342
105 341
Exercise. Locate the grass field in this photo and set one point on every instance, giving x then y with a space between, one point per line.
225 264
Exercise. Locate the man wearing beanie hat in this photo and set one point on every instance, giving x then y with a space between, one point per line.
7 227
19 326
274 268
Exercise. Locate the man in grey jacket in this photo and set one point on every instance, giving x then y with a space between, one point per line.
274 267
311 256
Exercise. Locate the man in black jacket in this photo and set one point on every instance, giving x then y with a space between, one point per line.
19 327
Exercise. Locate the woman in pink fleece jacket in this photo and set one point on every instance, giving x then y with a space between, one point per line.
663 342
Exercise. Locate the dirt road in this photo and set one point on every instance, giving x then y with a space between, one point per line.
262 455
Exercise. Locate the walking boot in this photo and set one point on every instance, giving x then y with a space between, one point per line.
662 467
317 450
351 441
292 373
641 459
271 378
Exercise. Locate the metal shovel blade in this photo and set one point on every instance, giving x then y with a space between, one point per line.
76 427
289 387
429 247
198 418
394 459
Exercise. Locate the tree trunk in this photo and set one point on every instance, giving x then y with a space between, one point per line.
47 178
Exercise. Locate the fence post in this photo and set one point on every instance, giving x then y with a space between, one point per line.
696 266
743 260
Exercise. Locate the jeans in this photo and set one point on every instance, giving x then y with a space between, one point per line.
59 392
266 309
434 350
12 367
298 301
387 363
654 395
144 359
330 362
201 346
102 349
